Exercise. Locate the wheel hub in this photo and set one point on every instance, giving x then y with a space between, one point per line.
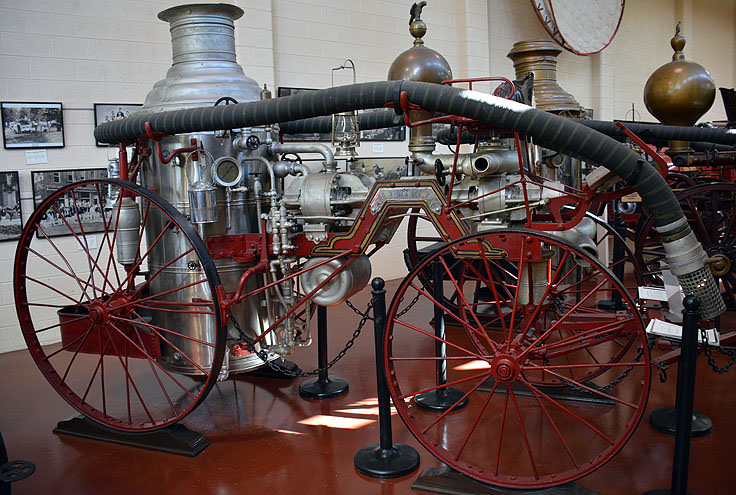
98 312
505 368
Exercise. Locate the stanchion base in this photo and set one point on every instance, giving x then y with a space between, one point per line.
441 399
319 388
450 482
399 460
665 420
174 439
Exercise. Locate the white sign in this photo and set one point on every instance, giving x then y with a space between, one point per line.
34 157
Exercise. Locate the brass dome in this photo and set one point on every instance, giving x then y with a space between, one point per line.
422 64
419 63
679 92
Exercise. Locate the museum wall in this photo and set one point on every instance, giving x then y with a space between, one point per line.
81 52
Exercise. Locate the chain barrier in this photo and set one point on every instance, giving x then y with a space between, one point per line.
300 374
709 354
359 312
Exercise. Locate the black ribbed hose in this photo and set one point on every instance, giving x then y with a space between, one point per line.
548 130
683 251
652 132
366 121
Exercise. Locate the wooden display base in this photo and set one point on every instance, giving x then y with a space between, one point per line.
175 439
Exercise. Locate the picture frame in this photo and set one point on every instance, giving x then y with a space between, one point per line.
308 136
107 112
11 216
32 124
47 182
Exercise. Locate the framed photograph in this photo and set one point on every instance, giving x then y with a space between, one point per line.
107 112
11 220
90 204
32 125
385 134
314 136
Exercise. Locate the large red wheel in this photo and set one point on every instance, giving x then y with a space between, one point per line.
116 298
515 430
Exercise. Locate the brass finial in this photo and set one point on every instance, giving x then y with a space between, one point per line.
417 26
678 43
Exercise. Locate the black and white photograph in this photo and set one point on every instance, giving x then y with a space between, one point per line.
386 134
90 201
307 136
32 125
11 220
107 112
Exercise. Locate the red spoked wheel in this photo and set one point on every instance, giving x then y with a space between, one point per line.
116 298
505 352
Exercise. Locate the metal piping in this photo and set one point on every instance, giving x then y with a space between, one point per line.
330 164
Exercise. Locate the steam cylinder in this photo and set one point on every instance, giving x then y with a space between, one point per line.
204 69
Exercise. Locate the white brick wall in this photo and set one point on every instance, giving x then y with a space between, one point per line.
82 52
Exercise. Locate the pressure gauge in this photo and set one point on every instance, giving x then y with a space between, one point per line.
226 171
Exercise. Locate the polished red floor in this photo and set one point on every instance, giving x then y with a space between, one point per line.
267 439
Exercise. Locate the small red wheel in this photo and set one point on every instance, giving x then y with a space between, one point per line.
115 294
547 329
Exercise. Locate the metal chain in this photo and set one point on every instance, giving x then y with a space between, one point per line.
411 305
357 311
709 354
294 374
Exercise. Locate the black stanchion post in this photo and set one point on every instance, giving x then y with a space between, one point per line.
685 393
443 397
323 387
685 396
384 459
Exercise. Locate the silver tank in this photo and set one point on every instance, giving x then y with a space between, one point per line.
203 70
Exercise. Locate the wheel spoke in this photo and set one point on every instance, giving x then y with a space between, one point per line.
479 329
477 420
563 318
523 432
590 389
555 428
570 413
69 273
464 323
444 341
151 359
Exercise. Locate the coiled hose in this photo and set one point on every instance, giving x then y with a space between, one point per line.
684 253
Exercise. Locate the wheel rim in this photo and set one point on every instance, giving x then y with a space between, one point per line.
710 209
500 436
135 348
